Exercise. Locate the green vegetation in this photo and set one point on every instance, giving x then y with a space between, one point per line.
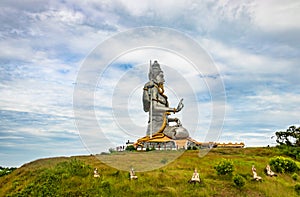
239 181
224 167
295 176
297 188
73 176
289 141
290 137
283 164
5 171
130 148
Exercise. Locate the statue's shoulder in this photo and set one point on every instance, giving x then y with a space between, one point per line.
149 84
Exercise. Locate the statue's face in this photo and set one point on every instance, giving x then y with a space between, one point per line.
160 77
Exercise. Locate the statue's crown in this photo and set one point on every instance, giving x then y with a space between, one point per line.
155 65
154 69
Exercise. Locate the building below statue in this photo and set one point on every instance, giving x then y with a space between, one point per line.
185 144
163 144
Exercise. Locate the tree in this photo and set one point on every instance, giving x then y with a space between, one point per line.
130 148
290 137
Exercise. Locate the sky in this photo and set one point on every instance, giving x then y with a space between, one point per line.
71 85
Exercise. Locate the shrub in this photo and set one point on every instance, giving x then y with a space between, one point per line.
282 164
224 167
290 151
295 176
130 148
111 150
5 171
297 188
238 180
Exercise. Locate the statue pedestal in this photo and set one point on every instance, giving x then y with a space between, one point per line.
163 143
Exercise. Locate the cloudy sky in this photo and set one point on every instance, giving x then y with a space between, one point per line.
45 47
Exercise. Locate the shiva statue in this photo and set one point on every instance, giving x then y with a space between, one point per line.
156 103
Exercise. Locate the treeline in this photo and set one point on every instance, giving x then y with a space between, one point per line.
289 141
5 171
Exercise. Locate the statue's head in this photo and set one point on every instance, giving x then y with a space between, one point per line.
156 74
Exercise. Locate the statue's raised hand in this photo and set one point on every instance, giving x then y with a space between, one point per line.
179 106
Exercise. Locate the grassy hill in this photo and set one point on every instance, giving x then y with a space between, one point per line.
73 176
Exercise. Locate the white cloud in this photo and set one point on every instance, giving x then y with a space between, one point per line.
237 60
276 15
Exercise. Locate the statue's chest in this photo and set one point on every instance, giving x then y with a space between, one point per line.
163 100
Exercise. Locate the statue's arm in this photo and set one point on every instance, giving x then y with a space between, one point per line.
160 108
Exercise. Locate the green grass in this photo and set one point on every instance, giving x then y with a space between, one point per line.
73 176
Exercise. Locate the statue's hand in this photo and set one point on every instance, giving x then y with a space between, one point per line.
179 106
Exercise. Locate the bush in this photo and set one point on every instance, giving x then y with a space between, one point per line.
224 167
130 148
290 151
5 171
295 176
297 188
282 164
238 180
111 150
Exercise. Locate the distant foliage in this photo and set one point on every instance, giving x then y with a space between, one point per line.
283 165
297 188
192 148
295 176
289 141
289 137
150 149
238 181
224 167
111 150
5 171
130 148
290 151
195 148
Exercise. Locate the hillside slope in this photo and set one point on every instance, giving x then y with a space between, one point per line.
73 176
